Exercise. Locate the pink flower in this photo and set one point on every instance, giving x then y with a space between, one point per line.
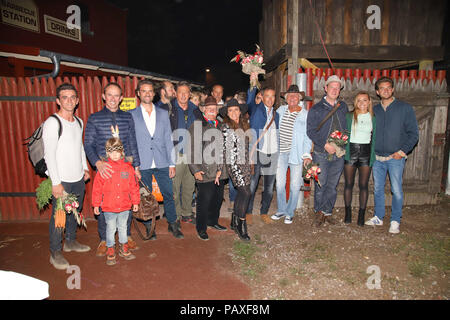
68 207
75 204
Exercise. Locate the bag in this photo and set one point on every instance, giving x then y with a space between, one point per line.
35 147
148 209
149 206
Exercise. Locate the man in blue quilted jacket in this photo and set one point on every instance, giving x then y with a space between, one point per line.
102 125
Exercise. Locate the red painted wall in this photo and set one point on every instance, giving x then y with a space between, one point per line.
108 23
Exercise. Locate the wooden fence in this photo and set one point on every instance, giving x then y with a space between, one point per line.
25 104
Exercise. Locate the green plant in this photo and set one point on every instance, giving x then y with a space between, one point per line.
44 193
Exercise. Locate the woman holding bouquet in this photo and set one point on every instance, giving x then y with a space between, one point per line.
360 154
236 150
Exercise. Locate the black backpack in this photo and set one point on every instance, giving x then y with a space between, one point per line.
35 147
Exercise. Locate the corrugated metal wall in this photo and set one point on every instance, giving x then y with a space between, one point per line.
18 120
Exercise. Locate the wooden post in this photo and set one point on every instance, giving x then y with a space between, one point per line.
293 62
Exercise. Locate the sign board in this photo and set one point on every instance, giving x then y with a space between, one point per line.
128 104
59 28
20 13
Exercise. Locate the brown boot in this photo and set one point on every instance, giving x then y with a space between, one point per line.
266 219
110 256
101 249
330 220
319 219
249 217
124 252
132 245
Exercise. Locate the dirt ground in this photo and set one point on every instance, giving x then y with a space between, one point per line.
300 261
281 262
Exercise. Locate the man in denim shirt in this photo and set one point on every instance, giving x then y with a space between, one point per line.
331 170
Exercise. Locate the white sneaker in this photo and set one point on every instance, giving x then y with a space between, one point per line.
288 220
277 216
374 221
395 227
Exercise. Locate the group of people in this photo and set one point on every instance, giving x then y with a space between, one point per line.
194 143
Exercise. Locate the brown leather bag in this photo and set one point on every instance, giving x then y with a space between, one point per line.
148 209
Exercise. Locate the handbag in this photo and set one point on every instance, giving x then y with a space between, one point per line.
148 209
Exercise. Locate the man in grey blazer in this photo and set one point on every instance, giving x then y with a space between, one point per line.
156 151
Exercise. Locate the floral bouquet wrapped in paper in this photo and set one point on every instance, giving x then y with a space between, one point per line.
251 64
338 140
311 171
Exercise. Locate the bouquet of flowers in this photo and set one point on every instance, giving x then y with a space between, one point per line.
66 204
251 63
311 171
338 140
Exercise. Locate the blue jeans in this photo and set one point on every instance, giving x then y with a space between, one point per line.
330 172
265 166
232 190
116 221
295 182
166 187
55 236
380 170
101 225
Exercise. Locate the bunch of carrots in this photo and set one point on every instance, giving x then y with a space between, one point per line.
60 215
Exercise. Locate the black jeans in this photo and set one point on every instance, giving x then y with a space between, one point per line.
241 202
209 202
55 236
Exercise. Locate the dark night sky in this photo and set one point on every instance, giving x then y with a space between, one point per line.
184 37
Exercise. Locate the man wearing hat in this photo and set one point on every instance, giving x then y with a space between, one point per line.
325 117
206 142
294 152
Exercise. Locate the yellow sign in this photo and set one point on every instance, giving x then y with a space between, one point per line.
20 13
59 28
128 104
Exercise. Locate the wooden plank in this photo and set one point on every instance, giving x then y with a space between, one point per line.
352 52
435 22
277 59
348 22
365 31
375 34
358 22
284 21
394 24
319 10
337 14
385 22
404 20
416 24
327 37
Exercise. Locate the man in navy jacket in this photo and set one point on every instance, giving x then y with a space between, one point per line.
99 128
331 169
265 153
182 114
397 134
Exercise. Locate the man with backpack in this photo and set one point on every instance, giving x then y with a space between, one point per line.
65 158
